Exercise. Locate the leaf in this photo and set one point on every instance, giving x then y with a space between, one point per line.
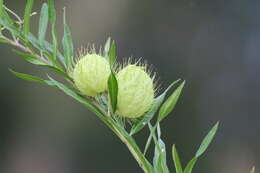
112 90
190 165
59 71
71 92
161 162
27 77
150 114
170 103
67 43
30 58
2 40
152 134
43 23
207 140
9 27
52 17
252 170
112 54
107 48
176 160
27 15
52 11
1 8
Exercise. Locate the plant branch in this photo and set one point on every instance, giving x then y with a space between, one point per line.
25 49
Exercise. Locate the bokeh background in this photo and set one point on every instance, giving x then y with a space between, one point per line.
213 45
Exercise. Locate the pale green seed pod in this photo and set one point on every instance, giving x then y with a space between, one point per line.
91 74
135 91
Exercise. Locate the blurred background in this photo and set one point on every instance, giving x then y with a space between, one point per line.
213 45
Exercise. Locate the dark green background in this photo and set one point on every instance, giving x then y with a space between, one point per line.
213 45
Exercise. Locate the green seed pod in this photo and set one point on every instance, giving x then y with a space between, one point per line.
91 74
135 91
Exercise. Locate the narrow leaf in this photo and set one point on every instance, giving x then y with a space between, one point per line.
52 17
170 103
1 9
107 48
28 77
112 90
67 43
30 58
150 114
27 15
71 92
252 170
112 54
190 165
52 11
43 23
176 160
207 140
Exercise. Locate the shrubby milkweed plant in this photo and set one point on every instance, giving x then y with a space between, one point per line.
122 96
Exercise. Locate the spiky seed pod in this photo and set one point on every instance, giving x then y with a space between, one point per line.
135 91
90 74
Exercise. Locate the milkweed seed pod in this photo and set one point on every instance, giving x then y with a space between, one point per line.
135 91
90 74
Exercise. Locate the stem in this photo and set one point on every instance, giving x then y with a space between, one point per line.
127 140
25 49
136 152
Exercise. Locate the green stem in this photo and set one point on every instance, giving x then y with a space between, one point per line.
127 140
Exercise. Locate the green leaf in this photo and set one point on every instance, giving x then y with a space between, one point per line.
2 40
71 92
52 11
252 170
67 43
30 58
52 17
43 23
27 15
1 8
112 90
9 27
112 54
152 134
28 77
207 140
170 103
190 165
161 164
59 71
150 114
107 48
176 160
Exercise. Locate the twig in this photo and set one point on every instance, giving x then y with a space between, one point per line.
25 49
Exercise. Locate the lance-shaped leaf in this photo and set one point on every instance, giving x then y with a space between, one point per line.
71 92
27 15
112 54
176 160
170 103
161 164
107 48
190 165
207 140
52 17
28 77
1 11
150 114
252 170
43 24
67 43
112 90
30 58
